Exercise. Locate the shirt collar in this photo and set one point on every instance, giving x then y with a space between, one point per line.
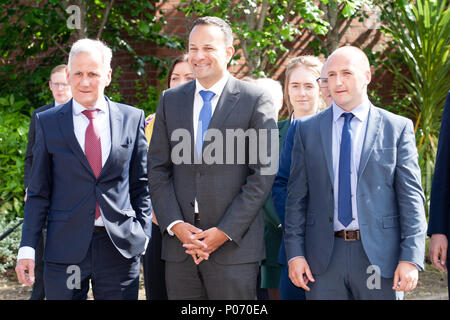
217 88
361 112
78 108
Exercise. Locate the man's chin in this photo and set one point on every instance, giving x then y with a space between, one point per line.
86 103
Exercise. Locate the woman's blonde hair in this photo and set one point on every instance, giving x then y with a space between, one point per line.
311 63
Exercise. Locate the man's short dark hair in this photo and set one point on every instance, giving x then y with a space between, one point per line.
215 21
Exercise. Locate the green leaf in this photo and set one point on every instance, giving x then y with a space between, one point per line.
143 27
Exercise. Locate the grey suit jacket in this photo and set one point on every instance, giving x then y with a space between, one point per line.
229 196
389 195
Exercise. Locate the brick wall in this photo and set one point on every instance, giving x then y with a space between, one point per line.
359 34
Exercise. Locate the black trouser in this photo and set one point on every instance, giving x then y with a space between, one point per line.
154 268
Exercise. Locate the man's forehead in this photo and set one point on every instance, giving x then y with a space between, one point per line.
87 58
342 63
58 75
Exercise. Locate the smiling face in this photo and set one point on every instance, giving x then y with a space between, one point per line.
348 76
88 78
303 91
208 54
181 73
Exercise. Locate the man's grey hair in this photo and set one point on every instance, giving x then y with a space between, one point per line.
91 46
275 90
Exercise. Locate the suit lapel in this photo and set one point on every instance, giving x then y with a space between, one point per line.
372 131
187 109
186 114
67 129
226 103
116 124
326 127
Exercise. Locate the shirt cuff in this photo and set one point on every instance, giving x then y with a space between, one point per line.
169 228
25 253
294 258
227 236
418 267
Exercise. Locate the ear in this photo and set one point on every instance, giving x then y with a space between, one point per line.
368 76
230 53
50 84
108 77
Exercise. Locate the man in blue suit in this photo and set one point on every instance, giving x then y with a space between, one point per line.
355 222
439 222
89 181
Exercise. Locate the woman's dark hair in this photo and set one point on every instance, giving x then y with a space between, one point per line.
182 58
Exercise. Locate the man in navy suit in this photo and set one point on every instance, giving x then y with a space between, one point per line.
61 93
439 222
89 181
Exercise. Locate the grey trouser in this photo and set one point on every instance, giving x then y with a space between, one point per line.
350 276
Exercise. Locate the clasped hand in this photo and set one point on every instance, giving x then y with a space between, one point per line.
199 243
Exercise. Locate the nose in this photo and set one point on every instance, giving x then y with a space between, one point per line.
301 91
338 79
199 54
84 81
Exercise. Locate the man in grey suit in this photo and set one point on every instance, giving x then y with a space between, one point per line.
355 222
210 211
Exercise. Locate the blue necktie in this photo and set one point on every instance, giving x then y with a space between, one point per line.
344 195
203 119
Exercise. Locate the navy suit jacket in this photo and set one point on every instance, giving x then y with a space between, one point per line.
31 139
279 188
439 221
63 188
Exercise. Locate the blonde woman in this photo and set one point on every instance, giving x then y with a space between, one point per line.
302 97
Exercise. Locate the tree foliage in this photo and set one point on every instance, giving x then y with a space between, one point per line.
264 28
30 29
420 41
339 14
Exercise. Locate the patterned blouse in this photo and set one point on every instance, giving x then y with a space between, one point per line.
149 122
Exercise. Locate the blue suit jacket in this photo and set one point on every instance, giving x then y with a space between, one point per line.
439 221
389 195
279 188
63 188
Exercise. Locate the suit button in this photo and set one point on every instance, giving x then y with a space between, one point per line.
332 191
330 219
92 211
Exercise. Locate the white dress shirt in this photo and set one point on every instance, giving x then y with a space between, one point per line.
358 127
80 123
217 88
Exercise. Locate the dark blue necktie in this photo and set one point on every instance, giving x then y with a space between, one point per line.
345 193
203 119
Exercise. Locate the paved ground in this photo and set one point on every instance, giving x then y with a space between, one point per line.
432 286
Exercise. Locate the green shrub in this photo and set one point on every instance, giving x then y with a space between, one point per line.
13 141
147 96
9 245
